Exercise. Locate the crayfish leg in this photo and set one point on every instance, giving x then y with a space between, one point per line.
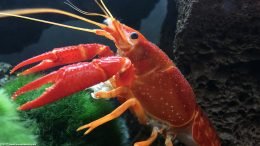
112 93
150 140
124 92
132 102
168 140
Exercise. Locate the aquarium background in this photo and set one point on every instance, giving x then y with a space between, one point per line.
215 43
32 38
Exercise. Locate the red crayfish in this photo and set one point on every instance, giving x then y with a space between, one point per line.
143 78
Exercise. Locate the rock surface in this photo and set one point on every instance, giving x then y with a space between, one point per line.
4 71
218 50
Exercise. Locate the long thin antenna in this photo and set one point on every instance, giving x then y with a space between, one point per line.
20 12
49 22
102 8
105 7
69 3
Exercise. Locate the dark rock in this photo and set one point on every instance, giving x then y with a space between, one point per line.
4 71
218 50
169 28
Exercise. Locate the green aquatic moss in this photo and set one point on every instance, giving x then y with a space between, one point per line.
13 130
57 122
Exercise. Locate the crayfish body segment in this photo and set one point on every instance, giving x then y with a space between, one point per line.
143 78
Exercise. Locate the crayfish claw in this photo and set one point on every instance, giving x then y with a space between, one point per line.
45 57
45 64
51 94
50 78
71 79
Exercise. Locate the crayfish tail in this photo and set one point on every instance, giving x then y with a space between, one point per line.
208 136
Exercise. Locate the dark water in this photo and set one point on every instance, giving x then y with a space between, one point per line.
21 39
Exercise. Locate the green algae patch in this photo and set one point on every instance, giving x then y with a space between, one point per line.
13 130
57 122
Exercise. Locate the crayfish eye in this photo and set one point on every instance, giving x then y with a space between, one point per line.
134 36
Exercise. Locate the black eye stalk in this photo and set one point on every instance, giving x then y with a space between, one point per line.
134 35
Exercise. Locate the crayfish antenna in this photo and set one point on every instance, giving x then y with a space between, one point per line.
104 8
69 3
18 13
